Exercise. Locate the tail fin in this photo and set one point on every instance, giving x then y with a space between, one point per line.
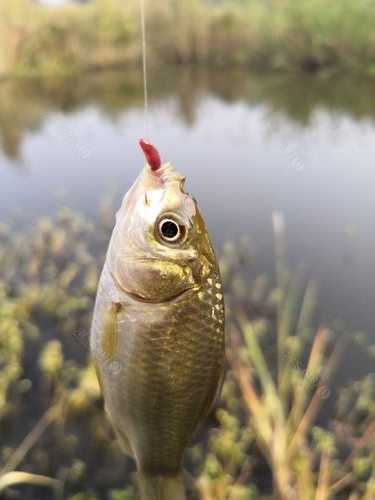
161 487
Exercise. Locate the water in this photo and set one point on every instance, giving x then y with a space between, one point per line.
249 145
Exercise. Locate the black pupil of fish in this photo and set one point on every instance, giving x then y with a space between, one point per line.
169 230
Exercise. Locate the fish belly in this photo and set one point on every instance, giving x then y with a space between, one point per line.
160 367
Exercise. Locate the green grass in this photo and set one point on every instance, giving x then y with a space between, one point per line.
283 430
274 35
278 388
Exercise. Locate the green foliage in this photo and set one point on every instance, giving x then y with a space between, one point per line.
51 359
274 34
273 397
11 345
128 494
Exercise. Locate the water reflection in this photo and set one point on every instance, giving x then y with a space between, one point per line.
26 104
249 144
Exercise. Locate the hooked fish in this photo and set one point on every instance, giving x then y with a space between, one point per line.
157 337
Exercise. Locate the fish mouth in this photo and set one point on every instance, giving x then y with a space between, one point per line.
140 298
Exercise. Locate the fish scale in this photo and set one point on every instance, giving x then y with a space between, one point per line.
176 390
175 399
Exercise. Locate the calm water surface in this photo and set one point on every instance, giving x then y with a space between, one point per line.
249 145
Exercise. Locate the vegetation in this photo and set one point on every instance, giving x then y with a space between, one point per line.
277 34
286 427
283 428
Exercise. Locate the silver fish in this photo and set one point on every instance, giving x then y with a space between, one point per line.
157 337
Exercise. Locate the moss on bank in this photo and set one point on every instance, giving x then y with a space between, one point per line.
278 34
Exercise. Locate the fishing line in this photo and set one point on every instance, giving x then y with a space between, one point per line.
144 64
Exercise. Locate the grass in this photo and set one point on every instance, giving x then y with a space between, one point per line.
274 398
283 428
279 35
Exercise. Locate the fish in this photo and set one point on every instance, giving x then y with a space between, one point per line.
157 337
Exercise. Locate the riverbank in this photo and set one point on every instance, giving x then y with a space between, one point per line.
286 35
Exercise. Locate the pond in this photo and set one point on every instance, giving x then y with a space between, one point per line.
250 145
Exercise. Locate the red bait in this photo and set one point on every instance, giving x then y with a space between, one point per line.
151 153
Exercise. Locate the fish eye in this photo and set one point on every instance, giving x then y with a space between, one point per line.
170 231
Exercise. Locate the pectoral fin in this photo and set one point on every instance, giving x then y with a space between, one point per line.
110 333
